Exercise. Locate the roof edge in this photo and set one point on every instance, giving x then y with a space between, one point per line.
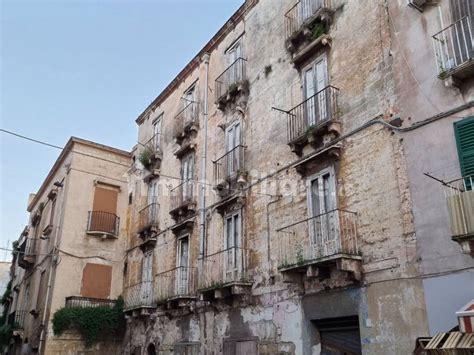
66 150
193 63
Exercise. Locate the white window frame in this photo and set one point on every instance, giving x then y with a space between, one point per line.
321 114
157 131
332 193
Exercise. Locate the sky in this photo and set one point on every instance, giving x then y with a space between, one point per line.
85 68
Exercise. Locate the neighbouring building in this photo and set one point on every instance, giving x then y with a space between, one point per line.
71 252
278 197
4 278
433 64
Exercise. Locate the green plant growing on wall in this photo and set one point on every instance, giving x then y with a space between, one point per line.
93 323
5 329
145 157
317 30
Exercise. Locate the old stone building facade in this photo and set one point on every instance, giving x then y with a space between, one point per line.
273 209
303 186
71 252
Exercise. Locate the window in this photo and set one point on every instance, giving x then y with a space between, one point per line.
234 52
189 104
157 124
232 243
235 73
183 264
104 209
96 280
187 175
147 278
464 133
232 141
315 80
321 205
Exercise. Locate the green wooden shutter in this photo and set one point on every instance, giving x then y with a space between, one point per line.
464 131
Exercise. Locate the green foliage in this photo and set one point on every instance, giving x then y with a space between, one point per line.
5 300
5 334
93 323
317 30
145 157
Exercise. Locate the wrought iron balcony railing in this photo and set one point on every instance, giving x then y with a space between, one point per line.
186 117
153 144
224 267
317 109
460 199
88 302
301 12
229 165
27 252
17 319
179 282
140 295
454 46
148 217
231 77
103 222
319 237
182 195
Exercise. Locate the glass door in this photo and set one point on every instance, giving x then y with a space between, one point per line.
147 278
183 266
232 159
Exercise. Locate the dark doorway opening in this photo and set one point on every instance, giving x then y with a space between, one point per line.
339 336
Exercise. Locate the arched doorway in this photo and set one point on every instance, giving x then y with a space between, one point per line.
151 350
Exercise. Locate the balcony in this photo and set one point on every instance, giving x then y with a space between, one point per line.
232 84
186 121
316 245
460 200
151 155
229 171
139 299
454 50
306 27
27 253
315 117
225 273
88 302
176 287
183 200
103 224
148 225
16 320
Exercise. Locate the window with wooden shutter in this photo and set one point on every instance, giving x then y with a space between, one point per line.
96 281
464 131
104 208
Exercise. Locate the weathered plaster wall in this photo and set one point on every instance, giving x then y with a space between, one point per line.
420 94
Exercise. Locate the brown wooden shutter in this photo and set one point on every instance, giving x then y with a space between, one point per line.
96 280
105 199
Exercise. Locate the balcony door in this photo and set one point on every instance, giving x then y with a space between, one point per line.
234 53
308 8
323 224
152 200
147 279
189 105
232 141
461 31
183 265
157 132
187 174
232 242
315 79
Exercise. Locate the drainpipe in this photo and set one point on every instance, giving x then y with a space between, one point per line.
203 232
54 260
